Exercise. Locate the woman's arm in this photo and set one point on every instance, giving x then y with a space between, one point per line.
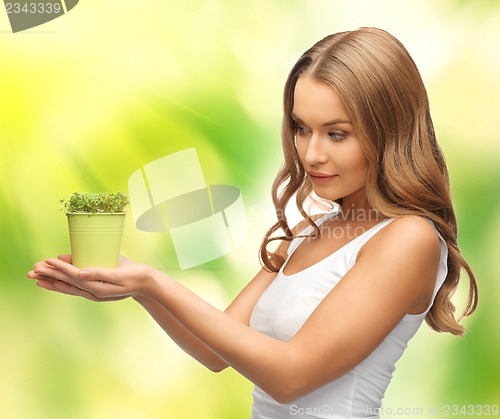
392 277
188 342
240 309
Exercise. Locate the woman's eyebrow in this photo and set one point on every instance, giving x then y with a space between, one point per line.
326 124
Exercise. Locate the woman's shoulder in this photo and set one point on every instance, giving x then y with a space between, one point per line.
405 236
418 227
407 255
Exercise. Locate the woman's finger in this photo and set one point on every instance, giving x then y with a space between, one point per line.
63 266
47 271
69 289
40 271
65 258
50 285
64 288
101 282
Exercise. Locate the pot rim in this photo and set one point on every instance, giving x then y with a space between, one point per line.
95 213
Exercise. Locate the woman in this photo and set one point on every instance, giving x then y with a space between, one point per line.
318 330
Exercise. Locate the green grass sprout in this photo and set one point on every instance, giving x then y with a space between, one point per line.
97 203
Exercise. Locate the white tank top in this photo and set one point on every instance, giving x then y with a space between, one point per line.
285 306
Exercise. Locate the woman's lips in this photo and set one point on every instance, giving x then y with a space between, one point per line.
317 177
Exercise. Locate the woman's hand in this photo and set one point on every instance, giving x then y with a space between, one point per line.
93 283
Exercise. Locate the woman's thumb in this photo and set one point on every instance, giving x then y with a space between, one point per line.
84 274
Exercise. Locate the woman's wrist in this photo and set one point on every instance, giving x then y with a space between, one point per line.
151 285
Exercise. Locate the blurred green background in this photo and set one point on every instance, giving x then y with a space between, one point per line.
89 98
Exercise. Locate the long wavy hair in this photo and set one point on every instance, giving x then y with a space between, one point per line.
384 94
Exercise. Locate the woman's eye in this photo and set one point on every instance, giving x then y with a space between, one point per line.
300 130
337 136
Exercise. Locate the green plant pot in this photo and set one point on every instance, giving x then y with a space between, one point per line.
95 239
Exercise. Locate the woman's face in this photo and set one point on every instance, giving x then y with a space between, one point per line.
326 142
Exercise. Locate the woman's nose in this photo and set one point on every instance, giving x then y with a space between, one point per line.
315 152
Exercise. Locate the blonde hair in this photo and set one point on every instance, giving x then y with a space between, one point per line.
384 94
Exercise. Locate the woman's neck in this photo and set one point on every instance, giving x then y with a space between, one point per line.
356 209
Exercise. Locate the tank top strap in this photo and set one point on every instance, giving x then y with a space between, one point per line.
375 229
367 235
442 270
